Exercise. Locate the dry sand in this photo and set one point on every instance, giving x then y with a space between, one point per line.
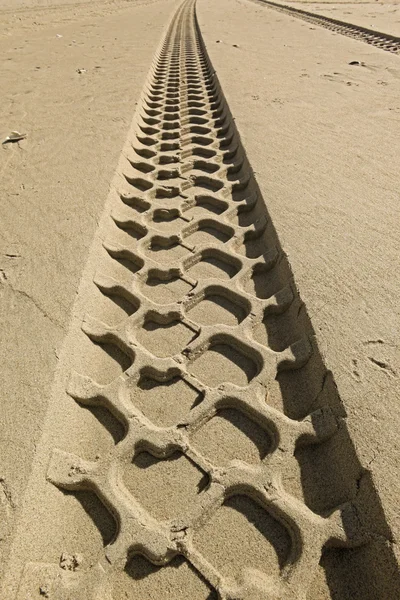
381 16
322 139
53 189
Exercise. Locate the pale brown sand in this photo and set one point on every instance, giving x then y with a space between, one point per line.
322 138
53 188
383 16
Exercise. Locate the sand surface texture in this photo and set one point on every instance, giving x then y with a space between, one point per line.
381 16
195 429
358 27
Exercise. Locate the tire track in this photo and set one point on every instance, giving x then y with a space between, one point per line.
384 41
222 381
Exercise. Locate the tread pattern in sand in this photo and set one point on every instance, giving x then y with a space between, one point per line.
221 383
384 41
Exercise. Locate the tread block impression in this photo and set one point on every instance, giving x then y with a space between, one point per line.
242 535
177 481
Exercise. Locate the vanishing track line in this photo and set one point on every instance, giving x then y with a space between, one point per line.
384 41
222 380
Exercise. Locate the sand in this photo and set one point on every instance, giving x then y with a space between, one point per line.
53 189
219 353
381 16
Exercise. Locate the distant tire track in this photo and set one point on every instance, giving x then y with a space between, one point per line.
384 41
222 381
